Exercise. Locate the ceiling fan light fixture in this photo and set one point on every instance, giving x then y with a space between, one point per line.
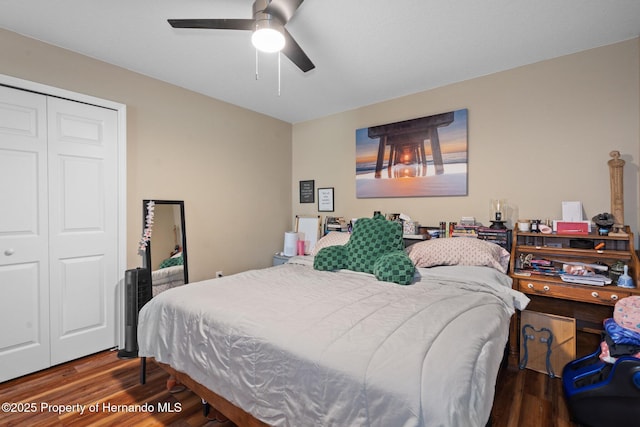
268 36
269 17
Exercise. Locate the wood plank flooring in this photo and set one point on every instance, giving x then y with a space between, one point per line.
526 398
106 382
523 398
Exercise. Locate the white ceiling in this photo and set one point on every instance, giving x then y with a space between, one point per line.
365 51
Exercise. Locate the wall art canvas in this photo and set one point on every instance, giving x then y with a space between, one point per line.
420 157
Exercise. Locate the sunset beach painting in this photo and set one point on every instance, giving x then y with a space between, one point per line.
420 157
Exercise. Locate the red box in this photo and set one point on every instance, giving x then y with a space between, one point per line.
572 227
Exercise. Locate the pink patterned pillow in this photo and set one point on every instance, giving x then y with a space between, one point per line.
332 238
459 251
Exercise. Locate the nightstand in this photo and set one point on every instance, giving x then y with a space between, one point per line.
280 259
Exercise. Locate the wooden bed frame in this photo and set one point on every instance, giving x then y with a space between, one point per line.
228 409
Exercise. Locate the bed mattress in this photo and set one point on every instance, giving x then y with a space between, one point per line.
294 346
167 278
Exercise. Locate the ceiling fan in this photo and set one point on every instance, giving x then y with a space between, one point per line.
269 18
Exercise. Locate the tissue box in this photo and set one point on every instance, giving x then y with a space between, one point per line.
410 227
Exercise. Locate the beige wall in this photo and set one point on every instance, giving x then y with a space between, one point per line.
538 135
228 164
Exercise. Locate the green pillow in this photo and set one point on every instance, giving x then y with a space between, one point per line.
375 247
372 238
331 258
170 262
394 267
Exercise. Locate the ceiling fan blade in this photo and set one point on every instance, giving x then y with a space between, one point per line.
214 24
283 9
294 52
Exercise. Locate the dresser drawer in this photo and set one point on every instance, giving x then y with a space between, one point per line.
607 295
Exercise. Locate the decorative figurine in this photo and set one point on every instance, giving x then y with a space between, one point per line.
625 281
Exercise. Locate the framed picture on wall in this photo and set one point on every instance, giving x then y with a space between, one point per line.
325 199
307 193
421 157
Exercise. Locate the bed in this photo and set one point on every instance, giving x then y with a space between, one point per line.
292 345
170 273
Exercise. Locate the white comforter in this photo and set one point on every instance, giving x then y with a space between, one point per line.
167 278
298 347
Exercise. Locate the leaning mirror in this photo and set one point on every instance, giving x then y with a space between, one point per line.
166 253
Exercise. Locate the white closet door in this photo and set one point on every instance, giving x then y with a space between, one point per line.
24 270
83 200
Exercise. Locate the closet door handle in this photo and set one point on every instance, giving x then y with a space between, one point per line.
9 252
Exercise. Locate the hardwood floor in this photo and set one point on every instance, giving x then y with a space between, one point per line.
526 398
523 398
107 383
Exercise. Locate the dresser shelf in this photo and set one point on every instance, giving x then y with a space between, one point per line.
589 305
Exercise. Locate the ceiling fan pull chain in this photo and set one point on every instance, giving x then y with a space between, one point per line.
279 55
257 75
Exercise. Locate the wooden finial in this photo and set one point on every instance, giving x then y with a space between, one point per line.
616 165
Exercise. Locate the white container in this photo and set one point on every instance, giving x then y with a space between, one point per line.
290 243
524 226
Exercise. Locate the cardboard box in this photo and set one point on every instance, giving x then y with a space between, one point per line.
410 227
538 327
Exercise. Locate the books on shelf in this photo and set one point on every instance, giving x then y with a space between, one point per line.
571 272
480 230
333 223
465 231
500 237
493 233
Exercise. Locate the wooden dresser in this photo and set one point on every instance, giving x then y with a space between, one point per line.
589 305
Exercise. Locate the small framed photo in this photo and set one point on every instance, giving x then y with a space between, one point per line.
325 199
307 193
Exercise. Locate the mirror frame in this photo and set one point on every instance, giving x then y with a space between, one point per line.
147 255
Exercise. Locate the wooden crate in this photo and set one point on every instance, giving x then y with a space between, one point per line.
540 326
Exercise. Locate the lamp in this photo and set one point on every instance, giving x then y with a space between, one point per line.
269 34
498 214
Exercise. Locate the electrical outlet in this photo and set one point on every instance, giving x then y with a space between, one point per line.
218 273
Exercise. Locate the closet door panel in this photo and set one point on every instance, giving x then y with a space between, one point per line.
82 280
24 275
82 196
83 178
19 178
20 282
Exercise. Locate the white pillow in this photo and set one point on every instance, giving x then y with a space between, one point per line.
332 238
459 251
